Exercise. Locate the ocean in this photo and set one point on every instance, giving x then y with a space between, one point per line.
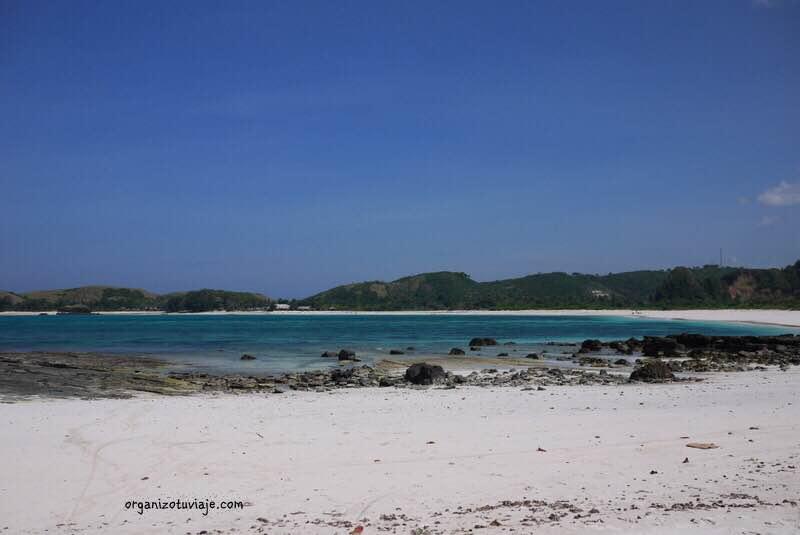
283 343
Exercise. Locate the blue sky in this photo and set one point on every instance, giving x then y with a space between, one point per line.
288 147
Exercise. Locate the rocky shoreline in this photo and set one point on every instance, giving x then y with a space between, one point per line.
692 352
656 359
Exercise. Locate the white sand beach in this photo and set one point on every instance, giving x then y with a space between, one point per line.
787 318
581 459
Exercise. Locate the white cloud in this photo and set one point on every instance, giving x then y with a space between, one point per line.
784 194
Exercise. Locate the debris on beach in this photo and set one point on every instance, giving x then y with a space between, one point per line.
702 446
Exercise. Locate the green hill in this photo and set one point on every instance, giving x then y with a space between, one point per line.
95 297
206 300
680 287
108 298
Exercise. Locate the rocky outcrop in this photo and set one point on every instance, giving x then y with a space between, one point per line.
621 347
693 341
346 354
477 342
247 356
590 345
425 374
656 346
595 362
456 351
653 371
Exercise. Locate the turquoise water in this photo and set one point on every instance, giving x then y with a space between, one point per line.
283 342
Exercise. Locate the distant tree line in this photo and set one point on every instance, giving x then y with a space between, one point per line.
208 300
708 286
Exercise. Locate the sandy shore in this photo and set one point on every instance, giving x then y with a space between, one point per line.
394 460
788 318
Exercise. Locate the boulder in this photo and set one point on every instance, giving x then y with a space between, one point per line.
532 356
396 352
621 362
342 375
388 381
693 341
476 342
634 344
656 346
456 351
595 362
329 355
346 354
502 354
247 357
590 345
425 374
653 371
621 347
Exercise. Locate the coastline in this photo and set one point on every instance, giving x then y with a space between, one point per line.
777 317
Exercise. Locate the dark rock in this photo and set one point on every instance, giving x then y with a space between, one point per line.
502 354
388 381
329 355
247 357
346 354
396 352
475 342
456 351
532 356
693 341
590 345
621 347
653 371
656 346
634 344
411 348
595 362
510 343
342 375
621 362
425 374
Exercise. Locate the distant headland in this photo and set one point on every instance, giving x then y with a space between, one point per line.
709 286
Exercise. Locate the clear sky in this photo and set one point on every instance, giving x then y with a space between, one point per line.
288 147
